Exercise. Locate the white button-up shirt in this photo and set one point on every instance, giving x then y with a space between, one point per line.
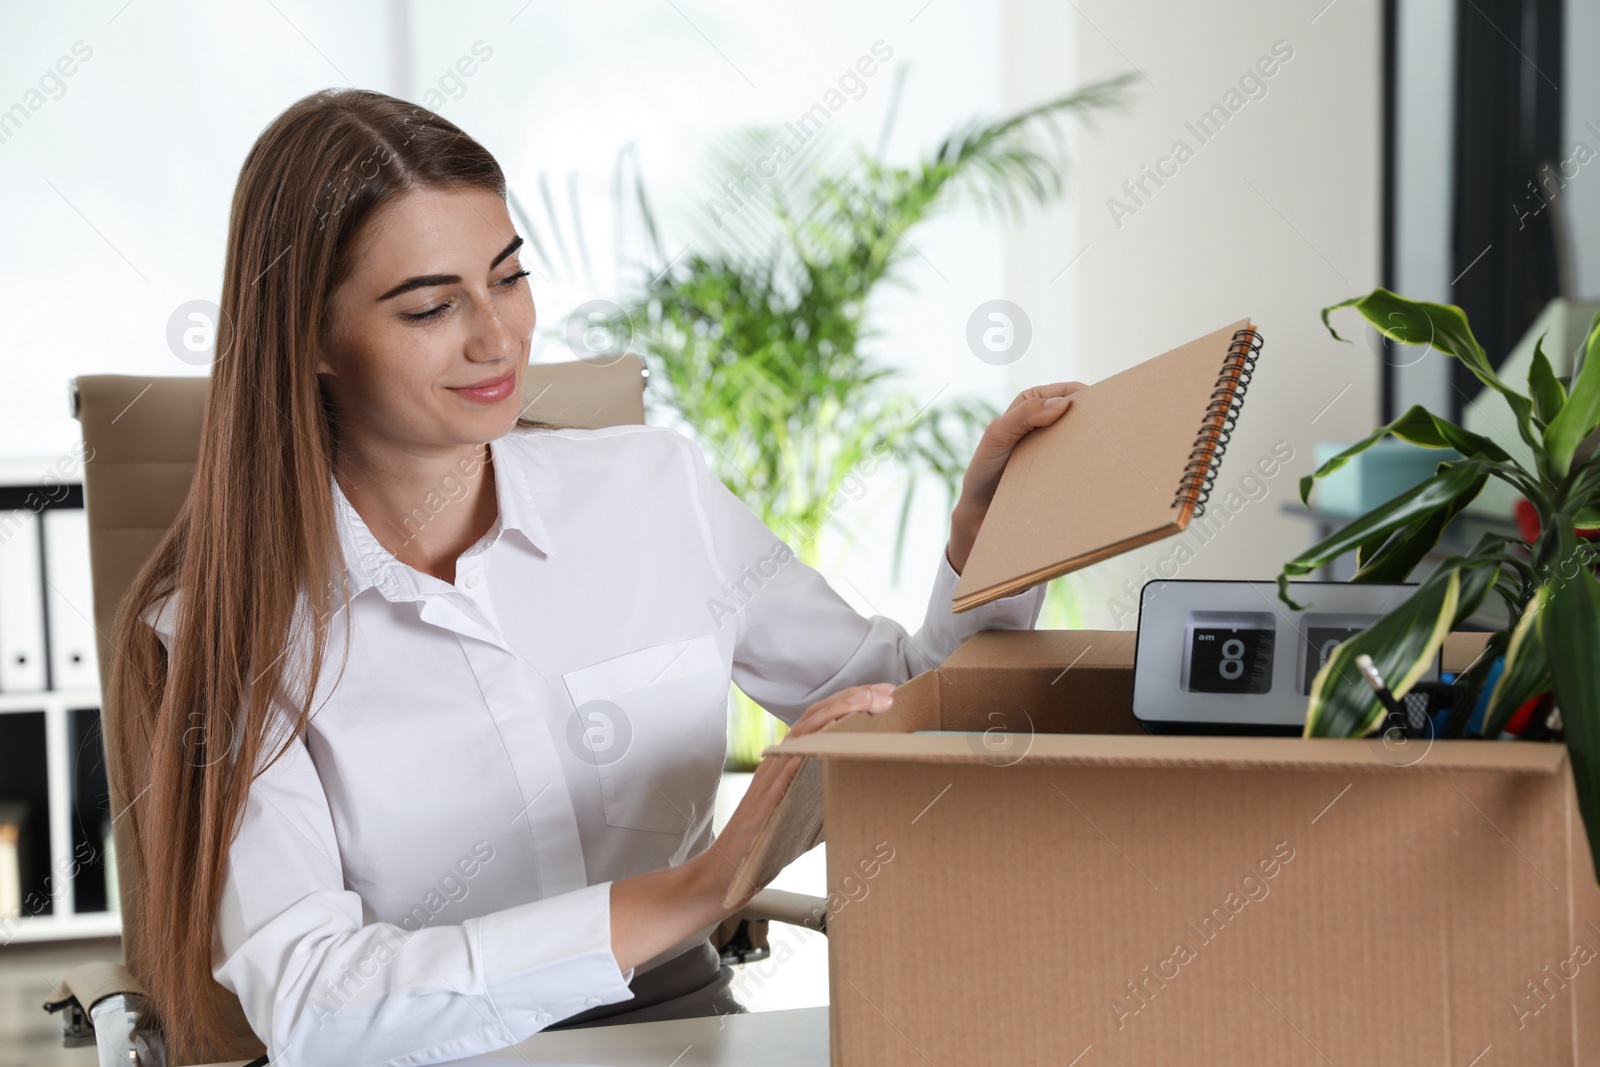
426 875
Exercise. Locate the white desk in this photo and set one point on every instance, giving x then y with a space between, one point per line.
797 1037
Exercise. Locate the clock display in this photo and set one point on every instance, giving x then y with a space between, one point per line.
1230 659
1320 643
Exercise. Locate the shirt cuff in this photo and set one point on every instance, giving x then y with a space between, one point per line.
1025 604
943 630
549 959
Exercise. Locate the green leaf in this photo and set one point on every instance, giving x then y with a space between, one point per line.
1526 673
1478 576
1418 426
1402 645
1570 629
1397 557
1468 686
1548 393
1580 415
1416 322
1443 328
1453 482
1369 549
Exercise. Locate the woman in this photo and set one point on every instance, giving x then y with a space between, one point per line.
498 817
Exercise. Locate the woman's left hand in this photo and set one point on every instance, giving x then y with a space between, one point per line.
1034 407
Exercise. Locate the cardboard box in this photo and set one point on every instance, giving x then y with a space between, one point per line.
1059 888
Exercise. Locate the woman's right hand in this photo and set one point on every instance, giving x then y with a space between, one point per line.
652 912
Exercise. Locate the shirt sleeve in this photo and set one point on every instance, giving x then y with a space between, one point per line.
322 983
799 640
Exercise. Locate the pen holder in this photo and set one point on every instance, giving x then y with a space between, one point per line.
1427 706
1541 723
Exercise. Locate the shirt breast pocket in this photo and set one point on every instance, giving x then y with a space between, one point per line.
654 724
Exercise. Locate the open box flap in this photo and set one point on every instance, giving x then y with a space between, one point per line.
796 825
1114 648
794 829
1044 648
1223 753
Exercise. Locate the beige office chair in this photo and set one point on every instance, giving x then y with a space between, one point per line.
141 437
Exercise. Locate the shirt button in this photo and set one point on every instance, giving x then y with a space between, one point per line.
472 581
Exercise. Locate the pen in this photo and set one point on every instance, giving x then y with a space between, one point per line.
1369 671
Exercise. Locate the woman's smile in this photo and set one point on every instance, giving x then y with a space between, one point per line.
490 391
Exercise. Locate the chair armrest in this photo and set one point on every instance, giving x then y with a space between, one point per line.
742 936
796 909
80 989
90 983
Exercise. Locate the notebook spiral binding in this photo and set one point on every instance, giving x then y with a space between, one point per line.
1200 473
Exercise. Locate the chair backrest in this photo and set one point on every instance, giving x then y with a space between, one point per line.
141 439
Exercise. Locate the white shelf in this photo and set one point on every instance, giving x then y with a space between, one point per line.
65 869
66 469
48 698
63 921
60 927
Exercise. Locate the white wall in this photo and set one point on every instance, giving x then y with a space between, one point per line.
114 197
1273 218
1424 174
1580 85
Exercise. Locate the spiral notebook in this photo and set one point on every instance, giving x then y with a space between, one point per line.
1131 461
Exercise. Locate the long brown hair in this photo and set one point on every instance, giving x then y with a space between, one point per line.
256 530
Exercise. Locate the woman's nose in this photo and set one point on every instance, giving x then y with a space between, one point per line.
493 338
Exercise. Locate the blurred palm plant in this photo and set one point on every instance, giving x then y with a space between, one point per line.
1552 640
756 336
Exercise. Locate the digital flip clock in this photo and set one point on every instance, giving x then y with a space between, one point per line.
1231 657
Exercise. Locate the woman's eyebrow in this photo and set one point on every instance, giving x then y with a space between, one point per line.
422 281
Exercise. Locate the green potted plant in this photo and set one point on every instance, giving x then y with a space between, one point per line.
1551 642
760 338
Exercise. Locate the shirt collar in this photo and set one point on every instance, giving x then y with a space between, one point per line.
368 564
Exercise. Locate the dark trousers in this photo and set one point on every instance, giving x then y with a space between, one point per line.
693 983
